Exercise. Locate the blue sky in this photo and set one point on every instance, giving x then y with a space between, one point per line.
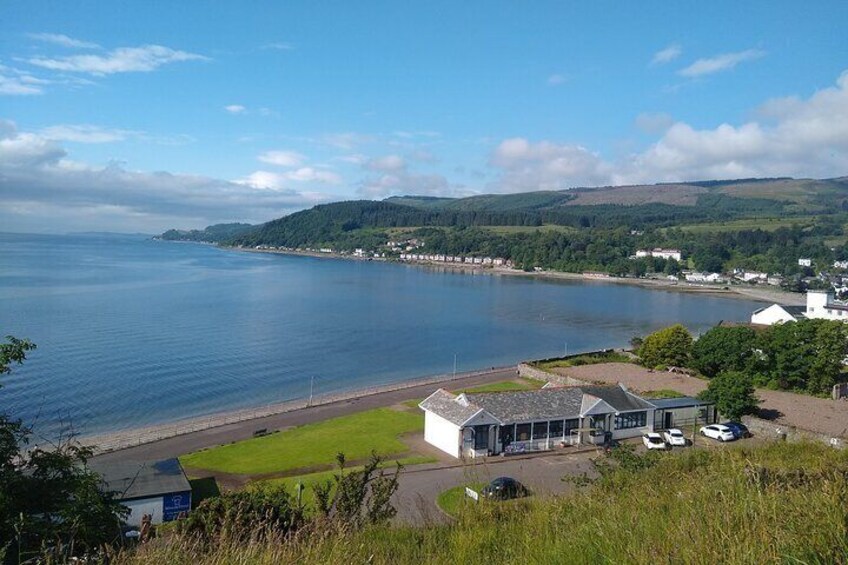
138 116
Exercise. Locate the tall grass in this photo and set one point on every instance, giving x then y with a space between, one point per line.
778 503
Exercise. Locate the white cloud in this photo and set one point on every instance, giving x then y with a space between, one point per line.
667 55
275 181
654 122
282 158
40 188
63 40
122 60
19 86
235 109
719 63
799 138
84 133
279 46
403 183
311 174
556 79
346 140
386 163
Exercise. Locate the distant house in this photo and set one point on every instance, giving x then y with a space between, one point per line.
660 253
703 277
840 264
804 262
157 488
820 305
480 424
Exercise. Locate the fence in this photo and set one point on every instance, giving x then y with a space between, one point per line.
139 436
840 391
773 430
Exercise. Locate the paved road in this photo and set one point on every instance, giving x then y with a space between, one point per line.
179 445
415 499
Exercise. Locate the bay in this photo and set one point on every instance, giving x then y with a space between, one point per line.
134 332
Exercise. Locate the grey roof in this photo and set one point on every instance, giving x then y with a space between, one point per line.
445 405
526 406
683 402
142 479
617 397
796 311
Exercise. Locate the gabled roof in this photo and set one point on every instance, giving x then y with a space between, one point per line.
142 479
529 405
445 405
681 402
533 405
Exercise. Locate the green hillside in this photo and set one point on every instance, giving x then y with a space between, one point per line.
212 234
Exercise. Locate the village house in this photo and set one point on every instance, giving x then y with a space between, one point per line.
805 262
480 424
660 253
820 304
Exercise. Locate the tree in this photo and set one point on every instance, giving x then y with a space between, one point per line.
733 393
48 497
724 349
668 346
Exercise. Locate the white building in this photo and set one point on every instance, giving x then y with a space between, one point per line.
777 314
660 253
804 262
704 277
840 264
480 424
821 304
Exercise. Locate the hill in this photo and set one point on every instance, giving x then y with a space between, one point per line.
210 234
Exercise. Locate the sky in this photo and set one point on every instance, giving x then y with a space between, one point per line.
142 115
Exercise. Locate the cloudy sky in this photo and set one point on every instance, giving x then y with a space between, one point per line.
144 115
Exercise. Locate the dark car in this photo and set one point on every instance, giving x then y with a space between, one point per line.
739 430
504 488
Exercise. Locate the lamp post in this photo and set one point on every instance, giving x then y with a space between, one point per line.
454 365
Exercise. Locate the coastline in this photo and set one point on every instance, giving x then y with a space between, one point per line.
109 442
748 292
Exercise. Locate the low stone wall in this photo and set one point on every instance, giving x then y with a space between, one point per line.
774 430
528 371
840 391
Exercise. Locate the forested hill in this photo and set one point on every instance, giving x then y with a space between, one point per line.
211 234
761 224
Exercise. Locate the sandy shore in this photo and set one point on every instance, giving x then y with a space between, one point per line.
748 292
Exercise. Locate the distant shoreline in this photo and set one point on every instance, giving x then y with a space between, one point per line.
756 293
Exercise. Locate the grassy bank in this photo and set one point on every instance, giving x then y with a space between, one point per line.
587 359
778 503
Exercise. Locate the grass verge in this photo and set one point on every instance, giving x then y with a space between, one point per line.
452 500
588 359
313 444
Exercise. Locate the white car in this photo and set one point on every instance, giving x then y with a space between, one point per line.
653 441
719 432
674 437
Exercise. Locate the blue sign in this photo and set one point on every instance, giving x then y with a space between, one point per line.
174 504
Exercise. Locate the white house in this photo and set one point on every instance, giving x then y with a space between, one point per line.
660 253
821 304
805 262
480 424
777 314
840 264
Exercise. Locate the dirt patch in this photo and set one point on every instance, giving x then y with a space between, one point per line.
820 415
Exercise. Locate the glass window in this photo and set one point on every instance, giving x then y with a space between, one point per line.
507 434
540 430
522 432
571 425
631 420
598 422
556 429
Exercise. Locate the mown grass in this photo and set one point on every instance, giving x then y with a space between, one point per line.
313 444
310 480
455 498
588 359
777 503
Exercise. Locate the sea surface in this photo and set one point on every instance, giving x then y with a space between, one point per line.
133 332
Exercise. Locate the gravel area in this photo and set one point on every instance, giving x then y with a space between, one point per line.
799 410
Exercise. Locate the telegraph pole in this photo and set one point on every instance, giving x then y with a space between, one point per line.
454 365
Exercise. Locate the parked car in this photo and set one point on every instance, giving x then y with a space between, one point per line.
718 431
674 437
654 441
739 430
504 488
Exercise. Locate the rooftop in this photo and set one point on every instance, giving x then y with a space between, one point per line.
142 479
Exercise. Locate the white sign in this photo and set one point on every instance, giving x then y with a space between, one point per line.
471 493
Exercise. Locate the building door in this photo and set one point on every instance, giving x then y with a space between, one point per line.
481 437
669 420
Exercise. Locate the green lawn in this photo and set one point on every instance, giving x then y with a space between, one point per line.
589 359
313 444
314 478
454 498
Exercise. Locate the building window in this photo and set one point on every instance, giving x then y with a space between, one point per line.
507 434
556 429
522 432
571 425
598 422
631 420
540 430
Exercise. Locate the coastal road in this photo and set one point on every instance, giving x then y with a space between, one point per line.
185 443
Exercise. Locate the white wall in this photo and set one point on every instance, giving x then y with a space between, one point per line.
139 508
441 433
774 314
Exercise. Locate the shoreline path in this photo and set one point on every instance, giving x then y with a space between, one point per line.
218 430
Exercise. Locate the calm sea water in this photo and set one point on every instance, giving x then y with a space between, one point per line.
132 332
